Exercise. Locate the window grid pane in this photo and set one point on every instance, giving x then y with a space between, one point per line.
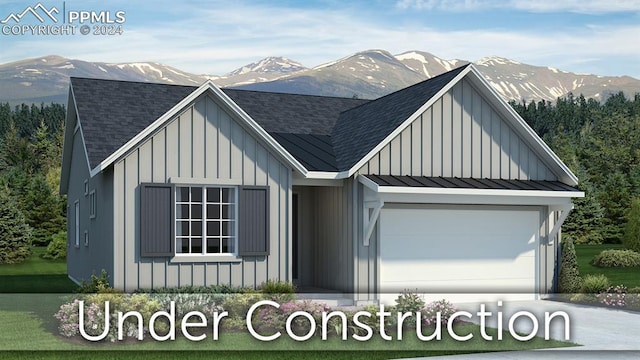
205 220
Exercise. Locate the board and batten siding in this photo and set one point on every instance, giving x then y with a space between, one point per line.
460 135
325 236
204 145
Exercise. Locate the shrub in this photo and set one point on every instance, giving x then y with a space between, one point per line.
445 308
94 312
569 280
279 291
613 296
595 284
95 285
15 233
631 238
617 258
408 301
275 318
238 304
57 248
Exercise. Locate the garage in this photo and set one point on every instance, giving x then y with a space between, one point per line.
469 253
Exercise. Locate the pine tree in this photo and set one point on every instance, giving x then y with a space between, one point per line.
15 233
41 210
631 239
569 280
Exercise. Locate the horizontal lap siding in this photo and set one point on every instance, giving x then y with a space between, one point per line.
460 135
202 142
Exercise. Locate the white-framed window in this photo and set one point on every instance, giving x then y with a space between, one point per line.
206 220
86 187
86 238
76 224
92 204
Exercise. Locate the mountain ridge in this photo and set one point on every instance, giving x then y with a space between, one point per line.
364 74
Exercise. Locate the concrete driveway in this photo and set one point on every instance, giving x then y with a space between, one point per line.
603 333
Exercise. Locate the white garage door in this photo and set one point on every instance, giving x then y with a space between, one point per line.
460 254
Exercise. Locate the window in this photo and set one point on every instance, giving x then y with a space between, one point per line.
92 204
86 238
77 223
205 220
86 187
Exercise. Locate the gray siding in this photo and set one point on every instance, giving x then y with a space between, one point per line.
461 135
85 260
325 238
201 144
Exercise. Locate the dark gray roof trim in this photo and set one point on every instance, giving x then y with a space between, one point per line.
469 183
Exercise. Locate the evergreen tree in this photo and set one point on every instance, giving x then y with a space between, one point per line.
42 210
569 280
631 238
15 233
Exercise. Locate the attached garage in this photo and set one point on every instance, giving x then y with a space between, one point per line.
487 251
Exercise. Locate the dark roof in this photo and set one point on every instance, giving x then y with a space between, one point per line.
374 121
113 112
322 133
469 183
292 113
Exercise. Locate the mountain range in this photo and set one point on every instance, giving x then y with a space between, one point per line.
367 74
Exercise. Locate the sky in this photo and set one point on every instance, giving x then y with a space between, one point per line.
216 37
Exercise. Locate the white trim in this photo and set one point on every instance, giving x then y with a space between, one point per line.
76 223
207 86
209 258
317 182
211 182
564 212
369 222
481 192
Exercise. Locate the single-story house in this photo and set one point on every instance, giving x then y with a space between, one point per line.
439 187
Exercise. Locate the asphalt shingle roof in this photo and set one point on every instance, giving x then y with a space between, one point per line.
323 133
360 129
113 112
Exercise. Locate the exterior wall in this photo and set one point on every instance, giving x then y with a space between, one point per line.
459 136
549 253
87 259
202 145
326 251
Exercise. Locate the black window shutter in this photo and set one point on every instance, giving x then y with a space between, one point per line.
253 221
156 220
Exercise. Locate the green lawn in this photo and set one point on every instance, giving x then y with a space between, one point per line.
36 275
27 324
630 277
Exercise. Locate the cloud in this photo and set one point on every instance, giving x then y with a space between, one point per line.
219 38
538 6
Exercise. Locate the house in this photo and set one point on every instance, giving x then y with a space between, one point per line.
439 187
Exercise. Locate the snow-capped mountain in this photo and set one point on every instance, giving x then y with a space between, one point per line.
269 68
366 74
46 79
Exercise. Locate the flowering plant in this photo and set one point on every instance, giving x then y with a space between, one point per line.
431 311
614 296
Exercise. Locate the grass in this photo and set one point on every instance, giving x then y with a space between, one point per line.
27 323
36 275
630 277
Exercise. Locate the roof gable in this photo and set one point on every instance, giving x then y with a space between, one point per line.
320 136
374 121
